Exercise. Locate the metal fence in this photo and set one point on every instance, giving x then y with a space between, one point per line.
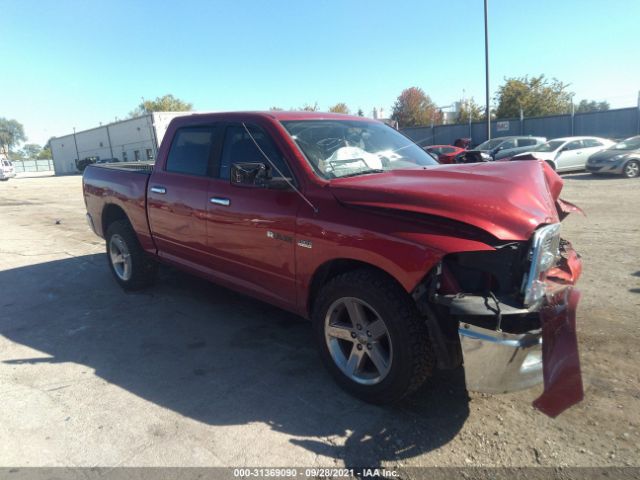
27 166
616 124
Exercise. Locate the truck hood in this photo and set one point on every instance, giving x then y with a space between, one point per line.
509 200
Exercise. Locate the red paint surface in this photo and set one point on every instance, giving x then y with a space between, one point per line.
560 358
561 362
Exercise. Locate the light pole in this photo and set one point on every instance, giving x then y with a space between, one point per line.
486 67
76 143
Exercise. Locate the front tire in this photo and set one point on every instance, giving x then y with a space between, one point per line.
371 336
131 267
631 169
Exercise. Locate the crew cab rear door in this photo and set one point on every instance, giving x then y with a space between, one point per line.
177 195
251 230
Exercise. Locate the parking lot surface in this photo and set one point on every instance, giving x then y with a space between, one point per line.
191 374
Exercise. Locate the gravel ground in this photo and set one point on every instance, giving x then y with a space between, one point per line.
191 374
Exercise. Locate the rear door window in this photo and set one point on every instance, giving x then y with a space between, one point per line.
191 150
591 142
526 142
575 145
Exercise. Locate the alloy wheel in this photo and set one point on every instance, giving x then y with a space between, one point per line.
358 340
120 257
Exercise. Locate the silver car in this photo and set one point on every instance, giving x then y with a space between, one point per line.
567 153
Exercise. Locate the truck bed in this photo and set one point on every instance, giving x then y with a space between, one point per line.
113 187
138 167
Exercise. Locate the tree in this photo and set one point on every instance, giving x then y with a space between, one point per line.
360 113
413 107
11 134
339 108
310 108
166 103
275 109
536 96
469 108
45 154
592 106
31 150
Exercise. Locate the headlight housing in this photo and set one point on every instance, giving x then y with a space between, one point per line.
544 252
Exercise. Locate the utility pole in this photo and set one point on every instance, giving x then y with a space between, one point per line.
638 127
109 139
486 67
76 142
573 113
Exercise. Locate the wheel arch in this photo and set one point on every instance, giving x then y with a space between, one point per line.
331 268
112 213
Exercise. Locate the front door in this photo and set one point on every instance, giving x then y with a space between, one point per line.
251 230
570 156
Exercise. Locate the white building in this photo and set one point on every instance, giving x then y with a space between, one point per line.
135 139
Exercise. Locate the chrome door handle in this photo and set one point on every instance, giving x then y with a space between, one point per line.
225 202
160 190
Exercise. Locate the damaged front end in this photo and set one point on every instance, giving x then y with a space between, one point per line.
514 309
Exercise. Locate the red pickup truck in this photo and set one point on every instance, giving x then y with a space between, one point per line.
402 265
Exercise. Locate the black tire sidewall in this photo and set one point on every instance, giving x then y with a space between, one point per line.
398 380
142 271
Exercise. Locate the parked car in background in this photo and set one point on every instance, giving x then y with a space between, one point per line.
6 170
444 153
463 143
567 153
499 148
621 158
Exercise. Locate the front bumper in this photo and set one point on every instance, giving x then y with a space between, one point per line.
500 362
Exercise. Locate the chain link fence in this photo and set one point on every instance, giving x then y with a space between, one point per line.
32 166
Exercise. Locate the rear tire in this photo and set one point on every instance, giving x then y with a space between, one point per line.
371 336
631 169
131 267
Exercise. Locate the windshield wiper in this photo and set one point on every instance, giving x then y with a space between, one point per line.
363 172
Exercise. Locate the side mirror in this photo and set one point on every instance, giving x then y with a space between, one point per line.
249 174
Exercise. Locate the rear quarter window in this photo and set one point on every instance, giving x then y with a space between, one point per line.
190 151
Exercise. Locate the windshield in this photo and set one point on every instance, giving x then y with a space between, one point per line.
632 143
490 144
340 148
551 146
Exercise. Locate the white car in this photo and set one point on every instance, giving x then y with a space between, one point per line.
6 170
566 154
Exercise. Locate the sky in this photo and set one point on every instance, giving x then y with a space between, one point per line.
74 63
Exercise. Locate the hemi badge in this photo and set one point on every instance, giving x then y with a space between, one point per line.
279 236
305 243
